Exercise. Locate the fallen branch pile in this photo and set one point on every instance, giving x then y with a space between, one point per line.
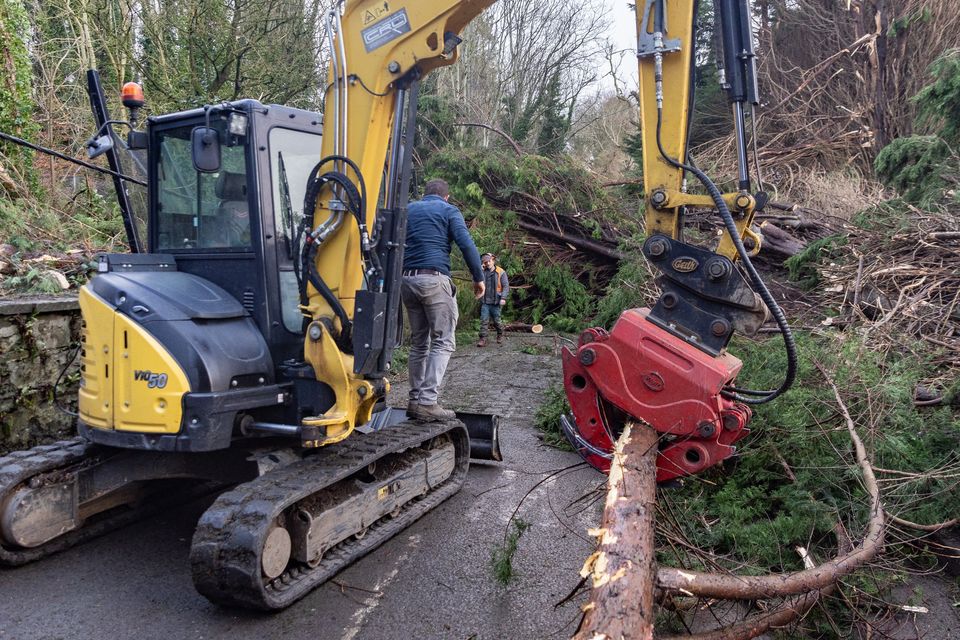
622 568
786 228
903 284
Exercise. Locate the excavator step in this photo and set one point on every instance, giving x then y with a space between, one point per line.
246 547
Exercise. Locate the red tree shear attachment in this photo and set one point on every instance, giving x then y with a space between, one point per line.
641 372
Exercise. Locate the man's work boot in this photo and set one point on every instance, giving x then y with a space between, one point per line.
482 342
434 413
499 338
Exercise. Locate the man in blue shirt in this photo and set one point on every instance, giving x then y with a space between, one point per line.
429 295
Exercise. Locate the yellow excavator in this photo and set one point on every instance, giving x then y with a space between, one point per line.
250 345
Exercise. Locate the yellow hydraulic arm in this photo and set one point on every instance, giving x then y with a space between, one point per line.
666 46
380 49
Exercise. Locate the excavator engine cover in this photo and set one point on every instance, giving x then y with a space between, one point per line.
640 372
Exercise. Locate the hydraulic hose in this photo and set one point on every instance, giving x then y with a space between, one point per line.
728 222
308 269
359 210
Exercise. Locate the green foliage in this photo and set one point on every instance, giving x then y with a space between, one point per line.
30 224
939 101
480 177
564 303
33 228
535 349
501 560
548 415
918 166
754 513
627 290
556 120
401 355
915 167
803 266
17 219
16 102
889 216
33 281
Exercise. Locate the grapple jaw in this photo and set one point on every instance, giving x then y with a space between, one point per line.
640 372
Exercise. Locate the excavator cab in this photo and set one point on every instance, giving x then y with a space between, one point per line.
238 225
212 308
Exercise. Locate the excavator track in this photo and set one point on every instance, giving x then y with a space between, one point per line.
227 554
53 463
19 467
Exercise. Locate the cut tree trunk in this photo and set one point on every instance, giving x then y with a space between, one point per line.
522 327
622 569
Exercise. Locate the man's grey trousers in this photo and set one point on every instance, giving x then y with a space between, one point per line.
432 308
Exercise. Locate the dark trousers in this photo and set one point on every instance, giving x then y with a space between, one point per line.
488 311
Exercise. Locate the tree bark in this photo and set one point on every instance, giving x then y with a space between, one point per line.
622 569
522 327
580 243
780 241
759 624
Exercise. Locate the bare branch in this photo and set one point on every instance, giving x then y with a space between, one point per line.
759 587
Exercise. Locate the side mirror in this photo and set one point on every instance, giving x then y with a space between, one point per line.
98 146
205 142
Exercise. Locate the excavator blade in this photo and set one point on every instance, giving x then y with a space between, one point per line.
484 430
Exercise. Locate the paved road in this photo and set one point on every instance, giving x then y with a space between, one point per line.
431 581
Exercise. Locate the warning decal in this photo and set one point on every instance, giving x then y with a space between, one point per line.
385 30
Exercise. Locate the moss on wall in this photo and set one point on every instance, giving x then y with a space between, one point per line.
38 339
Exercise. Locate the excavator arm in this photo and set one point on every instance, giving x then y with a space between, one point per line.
667 367
353 253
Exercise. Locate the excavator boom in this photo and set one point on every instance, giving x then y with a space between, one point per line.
667 367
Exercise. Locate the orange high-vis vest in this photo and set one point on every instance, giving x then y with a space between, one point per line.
499 273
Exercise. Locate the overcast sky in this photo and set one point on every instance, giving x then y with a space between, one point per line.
623 34
622 29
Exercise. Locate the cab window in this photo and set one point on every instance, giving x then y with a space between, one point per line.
198 210
293 155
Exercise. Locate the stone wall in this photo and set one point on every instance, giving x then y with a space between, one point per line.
38 336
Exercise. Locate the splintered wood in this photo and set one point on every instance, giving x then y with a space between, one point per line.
621 572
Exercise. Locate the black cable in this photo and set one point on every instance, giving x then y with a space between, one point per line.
356 170
313 276
29 145
354 202
761 288
354 76
56 399
307 267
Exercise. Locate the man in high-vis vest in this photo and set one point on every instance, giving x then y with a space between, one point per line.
496 288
